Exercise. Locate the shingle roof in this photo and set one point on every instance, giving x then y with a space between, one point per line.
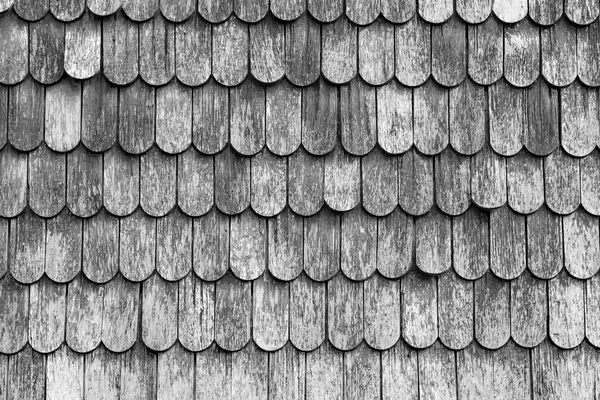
276 198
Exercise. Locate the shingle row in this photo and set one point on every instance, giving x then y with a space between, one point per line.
543 12
362 373
417 309
85 182
355 243
282 117
302 50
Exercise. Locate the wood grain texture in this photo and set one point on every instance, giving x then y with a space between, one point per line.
362 373
64 238
581 12
233 312
26 376
492 311
522 53
561 175
174 117
26 105
507 243
456 309
175 374
64 375
215 10
120 49
339 51
84 315
250 12
138 373
398 11
46 51
269 183
376 52
47 313
544 243
592 310
286 245
415 183
140 10
174 245
137 246
213 371
193 50
267 50
379 182
413 52
471 243
4 111
507 118
31 10
83 46
485 49
287 10
14 41
305 182
211 245
302 52
588 50
510 11
345 327
157 50
230 52
120 315
437 373
159 313
319 117
247 117
474 12
542 111
14 316
525 182
158 192
449 52
433 242
27 247
248 245
431 118
232 182
84 182
581 244
358 117
322 244
580 123
177 11
121 181
4 245
67 10
136 117
395 238
419 309
63 115
436 12
528 310
453 182
250 373
342 180
382 312
270 312
196 318
501 374
307 313
210 117
283 118
104 7
287 373
399 372
590 182
467 105
102 370
99 114
362 12
324 372
358 249
566 308
195 182
394 117
47 181
559 53
101 247
13 182
545 12
325 10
